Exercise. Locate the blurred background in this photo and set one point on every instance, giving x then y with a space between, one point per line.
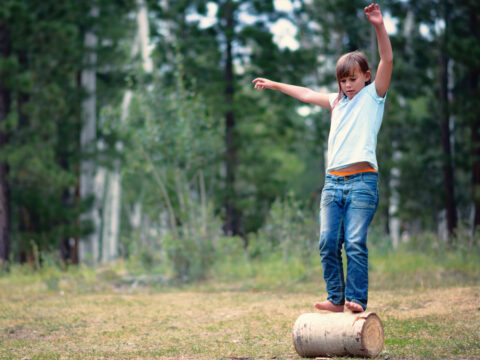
130 131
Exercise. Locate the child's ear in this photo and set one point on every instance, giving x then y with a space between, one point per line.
368 74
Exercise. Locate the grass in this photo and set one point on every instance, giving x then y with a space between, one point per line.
244 311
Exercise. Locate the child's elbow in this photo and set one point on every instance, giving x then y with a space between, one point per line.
388 59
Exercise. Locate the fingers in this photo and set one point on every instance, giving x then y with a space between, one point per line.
372 7
260 84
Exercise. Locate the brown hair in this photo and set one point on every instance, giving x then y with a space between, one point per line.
346 66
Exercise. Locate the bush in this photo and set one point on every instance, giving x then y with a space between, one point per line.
288 230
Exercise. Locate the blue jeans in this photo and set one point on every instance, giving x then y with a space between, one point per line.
347 207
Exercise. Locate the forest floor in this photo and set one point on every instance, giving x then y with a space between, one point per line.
38 322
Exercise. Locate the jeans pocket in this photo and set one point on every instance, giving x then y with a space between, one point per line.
328 195
364 199
365 195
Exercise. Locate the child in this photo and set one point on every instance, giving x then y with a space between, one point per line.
350 194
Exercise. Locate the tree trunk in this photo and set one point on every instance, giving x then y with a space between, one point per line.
4 187
474 76
113 179
394 200
110 211
66 199
338 334
89 246
475 128
232 221
448 175
76 198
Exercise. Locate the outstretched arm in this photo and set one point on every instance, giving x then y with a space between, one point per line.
385 66
298 92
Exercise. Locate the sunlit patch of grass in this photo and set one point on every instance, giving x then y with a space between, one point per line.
245 308
233 324
433 336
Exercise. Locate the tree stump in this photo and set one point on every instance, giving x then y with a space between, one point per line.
338 334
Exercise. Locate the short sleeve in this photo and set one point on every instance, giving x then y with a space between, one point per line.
331 98
373 93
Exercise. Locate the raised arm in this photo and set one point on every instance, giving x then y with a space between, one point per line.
303 94
385 66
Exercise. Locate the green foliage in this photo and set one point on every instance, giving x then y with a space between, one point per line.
288 230
193 252
417 264
170 142
42 78
267 134
174 141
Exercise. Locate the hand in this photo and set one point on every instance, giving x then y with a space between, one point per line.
262 84
373 14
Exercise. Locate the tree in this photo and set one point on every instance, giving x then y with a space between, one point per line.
41 90
232 215
4 112
111 219
90 245
219 61
473 104
444 110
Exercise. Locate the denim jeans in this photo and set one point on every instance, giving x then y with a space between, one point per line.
347 207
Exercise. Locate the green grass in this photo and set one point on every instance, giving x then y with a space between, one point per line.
245 309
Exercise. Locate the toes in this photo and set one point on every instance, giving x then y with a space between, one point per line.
354 307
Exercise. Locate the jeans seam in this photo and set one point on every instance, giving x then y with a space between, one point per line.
339 269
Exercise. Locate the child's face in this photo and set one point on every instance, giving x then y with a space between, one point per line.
354 82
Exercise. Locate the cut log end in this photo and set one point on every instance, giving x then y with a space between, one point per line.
338 334
372 335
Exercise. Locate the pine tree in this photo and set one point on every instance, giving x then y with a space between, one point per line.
5 46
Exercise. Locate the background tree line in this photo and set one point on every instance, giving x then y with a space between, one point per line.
123 137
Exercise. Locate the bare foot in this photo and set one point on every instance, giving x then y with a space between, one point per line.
354 307
327 305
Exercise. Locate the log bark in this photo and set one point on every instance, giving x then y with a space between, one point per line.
338 334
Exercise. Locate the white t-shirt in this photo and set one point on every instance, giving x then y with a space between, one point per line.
354 127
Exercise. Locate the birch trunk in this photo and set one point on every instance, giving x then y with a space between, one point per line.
111 215
112 203
89 245
444 108
338 334
394 200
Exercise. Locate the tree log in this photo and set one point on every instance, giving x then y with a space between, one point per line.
338 334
